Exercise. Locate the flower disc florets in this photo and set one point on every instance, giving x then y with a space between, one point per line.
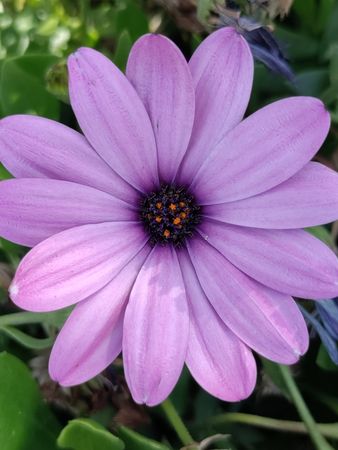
170 215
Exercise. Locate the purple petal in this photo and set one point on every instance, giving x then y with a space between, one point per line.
156 328
222 70
160 74
34 147
91 338
113 117
289 261
264 150
74 264
328 311
267 321
308 198
34 209
216 358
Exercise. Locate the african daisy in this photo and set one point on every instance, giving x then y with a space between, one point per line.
174 225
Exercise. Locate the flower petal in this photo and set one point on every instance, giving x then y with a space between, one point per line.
74 264
160 74
91 338
113 118
222 70
276 328
328 341
289 261
264 150
216 358
35 147
328 311
156 328
34 209
308 198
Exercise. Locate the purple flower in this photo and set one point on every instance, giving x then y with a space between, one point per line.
175 227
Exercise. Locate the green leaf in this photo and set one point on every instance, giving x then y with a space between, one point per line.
85 434
10 247
203 9
14 252
273 372
324 13
25 421
331 29
324 361
313 15
311 82
306 12
334 67
22 87
131 17
181 392
4 174
135 441
123 47
26 340
299 46
205 406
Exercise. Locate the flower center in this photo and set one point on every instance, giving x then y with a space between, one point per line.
170 215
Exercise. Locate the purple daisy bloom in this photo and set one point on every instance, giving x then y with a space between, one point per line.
174 226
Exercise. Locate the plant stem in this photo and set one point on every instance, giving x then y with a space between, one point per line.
330 430
177 423
21 318
318 440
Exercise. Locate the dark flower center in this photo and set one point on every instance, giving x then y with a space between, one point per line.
170 215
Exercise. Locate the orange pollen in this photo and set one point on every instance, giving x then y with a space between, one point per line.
172 206
176 221
158 205
183 215
158 219
181 204
166 233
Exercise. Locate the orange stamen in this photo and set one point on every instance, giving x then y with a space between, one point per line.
172 206
166 233
176 221
158 219
158 205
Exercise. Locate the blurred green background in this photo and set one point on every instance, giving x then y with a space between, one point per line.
35 38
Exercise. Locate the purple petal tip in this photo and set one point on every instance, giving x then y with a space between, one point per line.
13 291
